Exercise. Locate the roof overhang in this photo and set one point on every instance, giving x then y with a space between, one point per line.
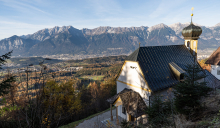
132 101
191 38
118 102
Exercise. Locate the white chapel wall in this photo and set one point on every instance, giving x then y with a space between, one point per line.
131 74
124 116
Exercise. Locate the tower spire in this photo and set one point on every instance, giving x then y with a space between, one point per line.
192 14
191 35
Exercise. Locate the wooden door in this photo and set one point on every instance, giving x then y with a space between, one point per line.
131 118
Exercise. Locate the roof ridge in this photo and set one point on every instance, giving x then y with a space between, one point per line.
133 56
138 53
163 45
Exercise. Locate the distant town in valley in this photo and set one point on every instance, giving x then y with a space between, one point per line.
202 54
109 64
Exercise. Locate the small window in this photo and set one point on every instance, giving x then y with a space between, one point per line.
188 44
123 110
218 72
133 67
194 43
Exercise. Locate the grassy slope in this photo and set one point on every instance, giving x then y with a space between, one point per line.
76 123
98 77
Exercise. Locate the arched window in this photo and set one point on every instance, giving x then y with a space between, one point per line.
188 44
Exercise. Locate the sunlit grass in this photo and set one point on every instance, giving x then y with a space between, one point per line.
99 77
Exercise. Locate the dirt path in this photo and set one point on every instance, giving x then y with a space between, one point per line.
95 122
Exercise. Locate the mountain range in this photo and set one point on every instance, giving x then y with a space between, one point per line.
103 40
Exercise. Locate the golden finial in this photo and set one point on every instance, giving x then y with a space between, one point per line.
192 14
139 44
192 11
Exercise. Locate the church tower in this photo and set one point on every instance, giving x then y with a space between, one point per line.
191 35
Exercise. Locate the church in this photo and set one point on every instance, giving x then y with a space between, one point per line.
154 70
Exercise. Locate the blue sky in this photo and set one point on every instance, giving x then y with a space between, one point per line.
21 17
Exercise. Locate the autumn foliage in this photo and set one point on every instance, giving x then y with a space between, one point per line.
205 66
55 103
61 99
50 100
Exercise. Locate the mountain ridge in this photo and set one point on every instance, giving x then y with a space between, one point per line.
102 40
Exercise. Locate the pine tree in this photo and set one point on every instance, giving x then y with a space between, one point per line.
189 92
158 113
5 84
125 124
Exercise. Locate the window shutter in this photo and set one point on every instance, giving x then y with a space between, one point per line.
123 109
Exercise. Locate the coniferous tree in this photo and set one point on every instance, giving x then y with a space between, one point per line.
5 84
125 124
158 113
189 92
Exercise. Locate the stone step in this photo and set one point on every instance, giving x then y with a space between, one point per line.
108 124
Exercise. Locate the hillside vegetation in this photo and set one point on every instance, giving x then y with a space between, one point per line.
35 93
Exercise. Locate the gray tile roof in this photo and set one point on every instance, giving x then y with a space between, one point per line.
132 101
211 80
115 97
154 63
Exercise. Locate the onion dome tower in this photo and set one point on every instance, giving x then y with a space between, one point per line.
191 35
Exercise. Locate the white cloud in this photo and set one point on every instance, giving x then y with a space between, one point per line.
165 7
103 8
22 6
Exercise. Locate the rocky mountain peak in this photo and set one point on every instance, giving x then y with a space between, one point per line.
217 25
46 33
158 26
116 30
108 40
176 25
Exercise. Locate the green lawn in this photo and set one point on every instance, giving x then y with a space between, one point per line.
76 123
92 77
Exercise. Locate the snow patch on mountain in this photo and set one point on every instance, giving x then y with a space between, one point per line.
171 38
116 30
46 33
158 26
217 25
